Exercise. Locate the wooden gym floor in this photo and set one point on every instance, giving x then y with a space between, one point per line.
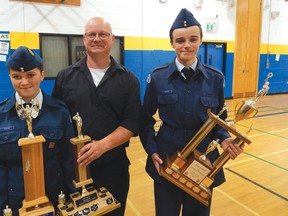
256 181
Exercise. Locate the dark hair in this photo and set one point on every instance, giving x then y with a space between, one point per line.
40 68
171 32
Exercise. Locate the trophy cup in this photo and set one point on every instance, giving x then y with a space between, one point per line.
90 201
7 211
191 170
36 202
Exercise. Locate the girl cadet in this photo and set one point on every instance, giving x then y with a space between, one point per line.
53 123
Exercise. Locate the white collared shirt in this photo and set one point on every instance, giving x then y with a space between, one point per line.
38 97
180 66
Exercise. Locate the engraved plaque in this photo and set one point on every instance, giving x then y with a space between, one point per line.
196 171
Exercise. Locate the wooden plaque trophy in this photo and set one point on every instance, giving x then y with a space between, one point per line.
36 202
90 201
191 170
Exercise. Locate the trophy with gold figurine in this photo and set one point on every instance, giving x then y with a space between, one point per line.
190 169
7 211
89 201
36 202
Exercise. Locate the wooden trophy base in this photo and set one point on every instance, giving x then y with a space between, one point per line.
194 169
39 207
92 202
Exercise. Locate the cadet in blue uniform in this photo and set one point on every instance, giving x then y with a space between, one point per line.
182 92
53 122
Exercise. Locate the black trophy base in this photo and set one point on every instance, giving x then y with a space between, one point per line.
199 192
94 202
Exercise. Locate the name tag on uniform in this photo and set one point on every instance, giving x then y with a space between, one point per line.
51 145
7 128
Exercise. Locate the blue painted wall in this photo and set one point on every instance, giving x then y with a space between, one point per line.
279 81
143 62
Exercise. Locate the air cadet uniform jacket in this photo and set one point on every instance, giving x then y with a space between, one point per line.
182 107
54 123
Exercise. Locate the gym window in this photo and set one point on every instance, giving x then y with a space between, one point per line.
59 51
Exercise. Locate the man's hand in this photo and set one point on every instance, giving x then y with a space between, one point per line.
90 152
157 161
233 149
96 148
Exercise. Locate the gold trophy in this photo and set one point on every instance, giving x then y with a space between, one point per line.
191 170
90 201
7 211
36 202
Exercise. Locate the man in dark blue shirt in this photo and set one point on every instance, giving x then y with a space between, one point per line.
107 97
182 92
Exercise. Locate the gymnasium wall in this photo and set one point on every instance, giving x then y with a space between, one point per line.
145 26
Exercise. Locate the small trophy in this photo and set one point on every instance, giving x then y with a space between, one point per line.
191 170
28 112
36 202
7 211
90 201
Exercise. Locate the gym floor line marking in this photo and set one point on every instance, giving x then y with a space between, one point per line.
269 133
266 155
265 132
257 184
259 116
236 201
278 108
259 157
266 161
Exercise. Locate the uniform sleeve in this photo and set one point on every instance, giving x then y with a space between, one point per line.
65 155
66 152
149 108
220 132
3 185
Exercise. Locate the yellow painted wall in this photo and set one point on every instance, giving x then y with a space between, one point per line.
147 43
30 40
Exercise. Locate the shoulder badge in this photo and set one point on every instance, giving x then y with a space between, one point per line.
4 101
212 68
161 67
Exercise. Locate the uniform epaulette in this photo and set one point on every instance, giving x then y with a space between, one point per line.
2 105
213 68
4 101
160 67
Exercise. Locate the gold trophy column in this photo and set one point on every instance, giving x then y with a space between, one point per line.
35 202
81 171
90 201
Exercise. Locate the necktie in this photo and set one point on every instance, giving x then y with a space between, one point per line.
188 73
25 104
